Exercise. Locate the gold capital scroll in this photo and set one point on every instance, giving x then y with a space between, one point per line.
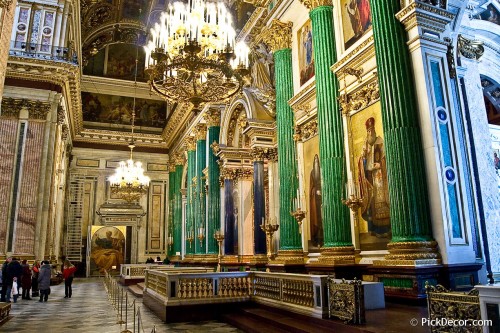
311 4
212 117
201 132
191 143
278 35
179 159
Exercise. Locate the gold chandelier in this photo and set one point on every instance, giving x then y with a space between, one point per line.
192 55
129 182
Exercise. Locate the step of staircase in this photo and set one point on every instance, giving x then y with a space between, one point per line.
259 318
141 285
135 290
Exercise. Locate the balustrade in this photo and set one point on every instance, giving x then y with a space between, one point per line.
43 51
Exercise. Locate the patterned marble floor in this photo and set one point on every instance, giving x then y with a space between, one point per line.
89 310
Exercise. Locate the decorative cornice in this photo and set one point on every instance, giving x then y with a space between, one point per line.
366 95
278 35
11 107
428 14
354 57
311 4
470 49
212 117
190 143
306 131
201 132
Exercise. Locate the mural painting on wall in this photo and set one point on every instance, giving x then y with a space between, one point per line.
262 69
118 110
306 57
315 204
491 14
107 249
312 185
121 61
134 9
495 139
356 20
371 183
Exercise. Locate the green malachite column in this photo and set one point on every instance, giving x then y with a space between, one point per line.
191 202
278 37
410 218
213 203
171 203
336 216
201 162
177 246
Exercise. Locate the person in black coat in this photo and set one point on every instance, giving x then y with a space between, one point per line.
5 279
14 270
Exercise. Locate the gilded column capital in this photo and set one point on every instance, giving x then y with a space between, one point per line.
201 132
171 166
5 4
179 159
37 110
10 108
278 35
258 154
191 143
227 173
244 174
212 117
311 4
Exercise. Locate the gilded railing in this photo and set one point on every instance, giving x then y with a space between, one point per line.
235 286
195 288
298 292
137 271
446 308
267 287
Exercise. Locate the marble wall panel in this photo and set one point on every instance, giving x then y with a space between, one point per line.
8 135
29 189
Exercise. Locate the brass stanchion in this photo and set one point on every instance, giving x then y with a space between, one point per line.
120 308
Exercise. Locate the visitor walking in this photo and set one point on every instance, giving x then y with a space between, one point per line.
44 281
68 274
26 280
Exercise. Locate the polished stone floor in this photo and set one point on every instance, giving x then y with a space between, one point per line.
89 310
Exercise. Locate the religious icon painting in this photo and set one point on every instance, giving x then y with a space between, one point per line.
370 182
356 20
491 14
306 56
107 249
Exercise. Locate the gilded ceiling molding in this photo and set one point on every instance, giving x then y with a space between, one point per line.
311 4
306 131
212 117
181 115
366 95
191 143
201 131
278 35
470 49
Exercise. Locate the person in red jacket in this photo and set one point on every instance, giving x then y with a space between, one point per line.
68 274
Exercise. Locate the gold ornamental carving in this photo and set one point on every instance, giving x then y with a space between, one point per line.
244 174
450 307
171 167
215 147
306 131
212 117
191 143
60 115
179 159
411 254
346 300
360 99
201 132
278 36
64 132
227 173
470 49
311 4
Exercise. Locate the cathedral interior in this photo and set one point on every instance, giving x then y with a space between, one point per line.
353 139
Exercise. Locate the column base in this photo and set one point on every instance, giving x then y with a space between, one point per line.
230 259
258 259
411 254
341 255
288 257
